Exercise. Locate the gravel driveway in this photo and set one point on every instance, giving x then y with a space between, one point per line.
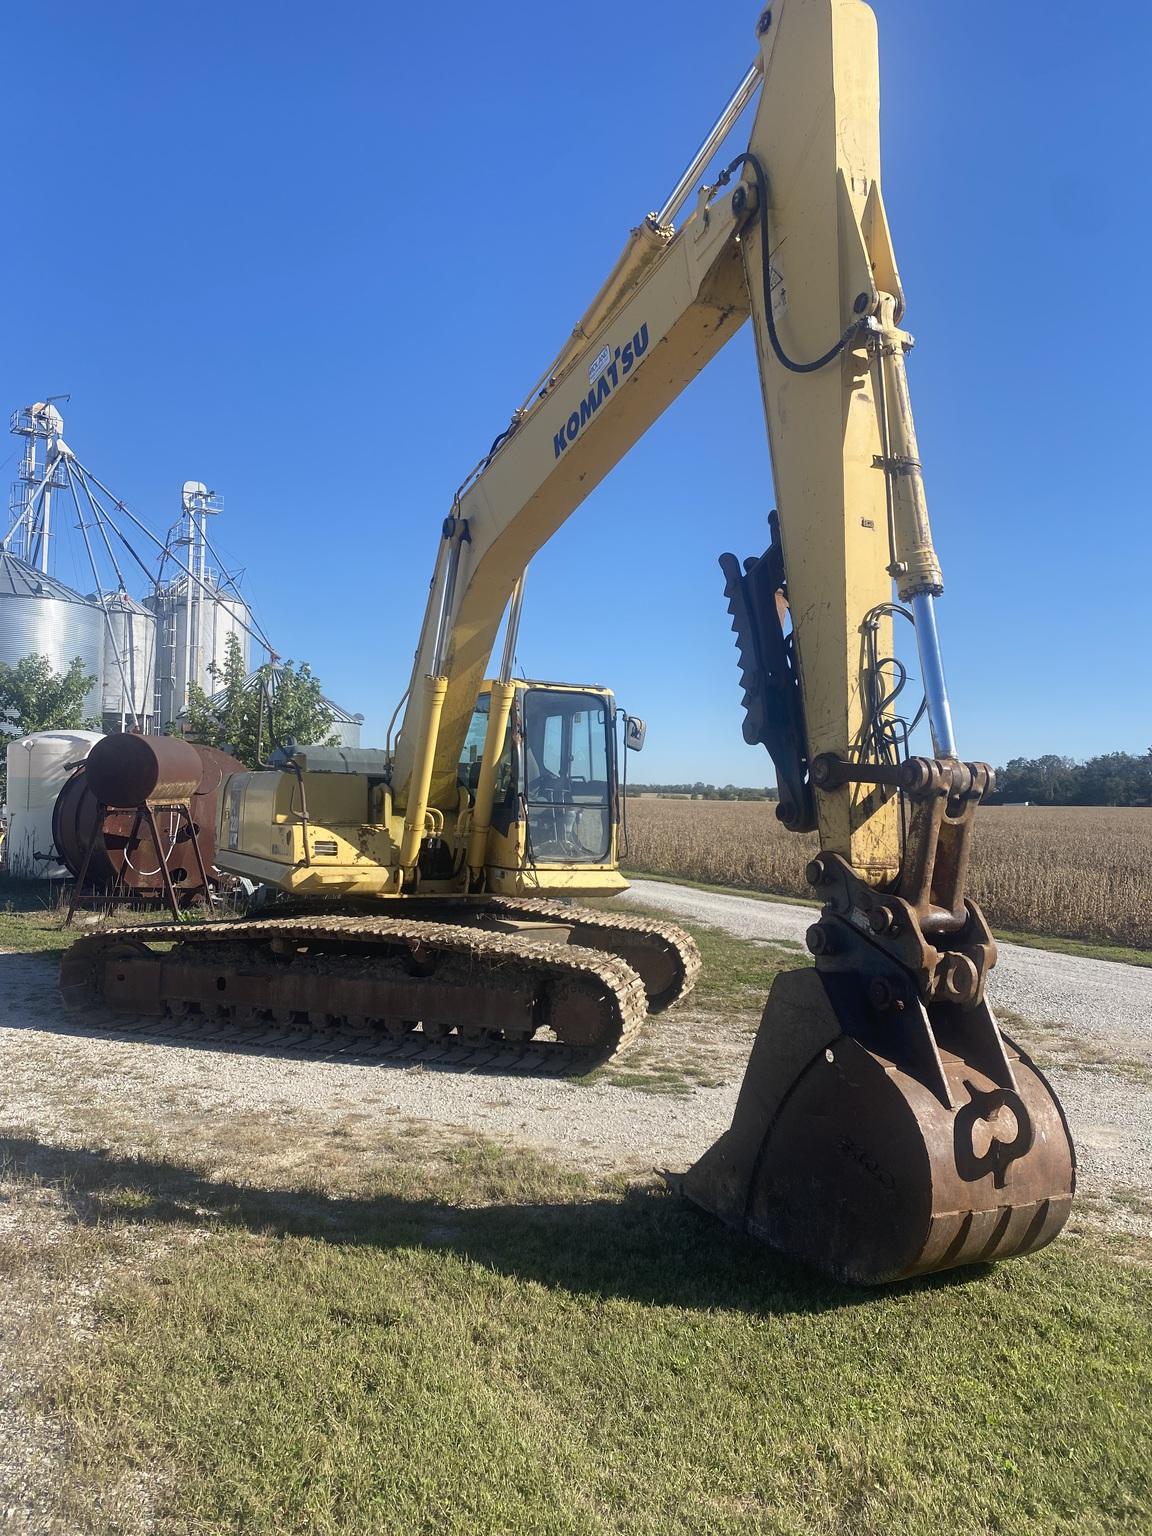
1087 1021
1111 1003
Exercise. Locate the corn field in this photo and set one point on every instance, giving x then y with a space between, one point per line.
1081 872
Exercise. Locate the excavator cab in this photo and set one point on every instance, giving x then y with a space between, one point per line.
555 803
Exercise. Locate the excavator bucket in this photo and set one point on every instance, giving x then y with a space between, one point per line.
877 1145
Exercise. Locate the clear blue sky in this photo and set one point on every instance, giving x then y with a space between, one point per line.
315 255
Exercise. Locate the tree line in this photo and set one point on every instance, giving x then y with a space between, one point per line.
33 697
1113 778
701 791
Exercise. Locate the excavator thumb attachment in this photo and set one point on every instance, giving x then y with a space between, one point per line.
876 1146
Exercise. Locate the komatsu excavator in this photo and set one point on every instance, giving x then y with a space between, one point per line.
885 1127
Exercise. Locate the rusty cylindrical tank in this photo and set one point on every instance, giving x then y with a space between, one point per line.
131 772
74 820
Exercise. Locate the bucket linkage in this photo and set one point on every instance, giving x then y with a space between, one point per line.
886 1127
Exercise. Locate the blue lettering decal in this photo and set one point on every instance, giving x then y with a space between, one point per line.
608 376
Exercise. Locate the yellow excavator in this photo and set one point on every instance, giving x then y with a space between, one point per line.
885 1126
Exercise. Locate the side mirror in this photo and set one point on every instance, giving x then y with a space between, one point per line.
634 733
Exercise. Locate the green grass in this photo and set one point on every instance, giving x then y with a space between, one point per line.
734 984
33 913
677 1078
1080 947
737 972
651 1068
492 1345
31 918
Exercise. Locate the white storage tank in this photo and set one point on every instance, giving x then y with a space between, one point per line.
129 663
37 768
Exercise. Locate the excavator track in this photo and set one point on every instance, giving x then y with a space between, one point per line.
419 991
664 955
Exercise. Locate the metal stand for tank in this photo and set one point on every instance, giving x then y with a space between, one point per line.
145 812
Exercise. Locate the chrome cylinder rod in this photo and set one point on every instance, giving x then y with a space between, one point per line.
512 629
454 529
932 673
719 132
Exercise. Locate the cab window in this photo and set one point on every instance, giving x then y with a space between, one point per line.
567 782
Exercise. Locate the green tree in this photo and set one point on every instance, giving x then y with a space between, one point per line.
1116 778
1047 780
34 697
236 717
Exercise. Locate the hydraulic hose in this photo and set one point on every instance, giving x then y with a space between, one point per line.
753 163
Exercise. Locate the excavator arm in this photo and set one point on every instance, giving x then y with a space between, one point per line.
669 313
885 1125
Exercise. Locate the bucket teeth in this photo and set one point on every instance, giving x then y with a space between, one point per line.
850 1159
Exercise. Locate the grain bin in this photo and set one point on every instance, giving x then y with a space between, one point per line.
40 615
192 628
128 694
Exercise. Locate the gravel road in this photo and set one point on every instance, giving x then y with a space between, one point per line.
1089 1023
1110 1003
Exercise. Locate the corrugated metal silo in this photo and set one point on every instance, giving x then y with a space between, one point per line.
225 617
345 726
191 634
129 662
40 615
